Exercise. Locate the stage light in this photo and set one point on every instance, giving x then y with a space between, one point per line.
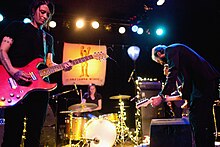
95 24
121 30
140 31
160 31
26 20
80 23
134 28
108 27
160 2
1 17
52 24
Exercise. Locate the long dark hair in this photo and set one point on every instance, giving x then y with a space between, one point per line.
90 85
37 3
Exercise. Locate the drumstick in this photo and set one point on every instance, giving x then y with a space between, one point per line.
80 94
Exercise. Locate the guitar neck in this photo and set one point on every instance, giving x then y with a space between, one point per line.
141 101
167 99
50 70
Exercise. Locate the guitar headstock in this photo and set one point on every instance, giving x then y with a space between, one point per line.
99 55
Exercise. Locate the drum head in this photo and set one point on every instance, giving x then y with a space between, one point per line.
102 131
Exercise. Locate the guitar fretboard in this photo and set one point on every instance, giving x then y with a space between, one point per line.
50 70
141 101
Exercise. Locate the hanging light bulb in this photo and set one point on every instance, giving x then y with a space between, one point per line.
133 52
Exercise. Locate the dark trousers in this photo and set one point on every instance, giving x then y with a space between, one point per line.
201 115
34 108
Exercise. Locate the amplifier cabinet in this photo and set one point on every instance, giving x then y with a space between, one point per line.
174 132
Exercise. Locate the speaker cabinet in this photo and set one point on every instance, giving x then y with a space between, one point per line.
148 113
174 132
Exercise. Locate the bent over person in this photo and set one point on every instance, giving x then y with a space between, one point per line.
200 87
21 44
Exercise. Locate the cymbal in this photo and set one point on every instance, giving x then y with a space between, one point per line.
84 107
120 97
67 111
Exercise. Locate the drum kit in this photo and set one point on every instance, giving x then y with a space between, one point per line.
104 131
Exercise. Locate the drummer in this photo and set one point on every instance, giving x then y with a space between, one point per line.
92 96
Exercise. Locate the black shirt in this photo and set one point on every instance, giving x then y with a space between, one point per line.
28 43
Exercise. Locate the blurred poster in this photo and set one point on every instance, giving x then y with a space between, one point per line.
89 64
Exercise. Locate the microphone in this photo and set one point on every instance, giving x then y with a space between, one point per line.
136 97
77 92
112 59
131 75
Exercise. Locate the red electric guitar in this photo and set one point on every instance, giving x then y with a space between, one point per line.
11 92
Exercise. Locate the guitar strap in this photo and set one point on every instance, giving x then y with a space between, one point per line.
45 45
45 51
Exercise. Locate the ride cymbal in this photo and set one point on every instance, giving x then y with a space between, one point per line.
84 107
120 97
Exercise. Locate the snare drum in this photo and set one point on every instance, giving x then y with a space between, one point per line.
77 127
113 117
101 131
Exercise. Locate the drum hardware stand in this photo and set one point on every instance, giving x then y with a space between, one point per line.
24 132
71 128
216 130
71 132
135 138
88 142
55 97
122 127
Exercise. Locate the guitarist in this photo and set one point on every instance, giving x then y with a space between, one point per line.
174 108
200 87
22 43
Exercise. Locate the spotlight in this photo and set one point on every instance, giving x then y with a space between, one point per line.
95 24
134 28
121 30
1 17
80 23
52 24
26 20
140 31
160 2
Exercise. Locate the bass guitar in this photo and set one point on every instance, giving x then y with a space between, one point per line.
11 92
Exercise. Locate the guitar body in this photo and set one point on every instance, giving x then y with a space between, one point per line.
12 93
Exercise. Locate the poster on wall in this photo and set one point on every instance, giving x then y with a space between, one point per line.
89 64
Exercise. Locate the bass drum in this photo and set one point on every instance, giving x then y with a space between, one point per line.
102 132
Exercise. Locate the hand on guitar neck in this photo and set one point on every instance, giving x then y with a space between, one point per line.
156 100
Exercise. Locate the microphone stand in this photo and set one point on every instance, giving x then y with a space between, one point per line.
55 97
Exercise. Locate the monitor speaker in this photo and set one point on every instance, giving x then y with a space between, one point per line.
174 132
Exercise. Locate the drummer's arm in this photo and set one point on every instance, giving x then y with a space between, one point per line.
99 107
83 100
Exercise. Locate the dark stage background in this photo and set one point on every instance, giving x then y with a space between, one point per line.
194 23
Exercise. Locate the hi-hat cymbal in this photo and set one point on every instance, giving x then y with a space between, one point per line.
84 107
120 97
